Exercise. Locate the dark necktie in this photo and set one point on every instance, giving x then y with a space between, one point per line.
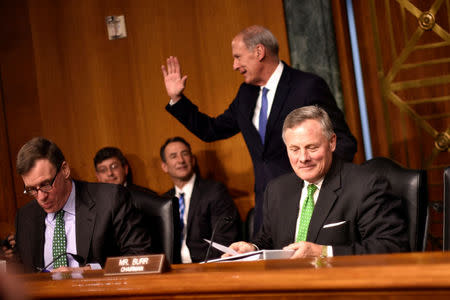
263 114
305 217
59 241
181 207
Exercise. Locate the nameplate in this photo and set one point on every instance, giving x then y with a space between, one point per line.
138 264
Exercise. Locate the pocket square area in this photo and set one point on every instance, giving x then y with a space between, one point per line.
333 224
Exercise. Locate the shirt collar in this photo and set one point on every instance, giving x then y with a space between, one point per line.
69 207
187 188
318 183
272 83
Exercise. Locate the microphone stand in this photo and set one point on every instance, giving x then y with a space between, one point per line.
226 220
79 259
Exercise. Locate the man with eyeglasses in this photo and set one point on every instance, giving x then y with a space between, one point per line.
70 223
111 166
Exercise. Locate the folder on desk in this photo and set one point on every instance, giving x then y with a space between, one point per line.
257 255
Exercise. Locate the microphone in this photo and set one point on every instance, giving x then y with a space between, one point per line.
79 259
227 220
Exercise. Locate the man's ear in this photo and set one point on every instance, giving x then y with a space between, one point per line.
65 169
164 167
333 142
260 51
126 170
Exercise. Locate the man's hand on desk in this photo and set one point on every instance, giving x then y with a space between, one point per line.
241 247
305 249
9 246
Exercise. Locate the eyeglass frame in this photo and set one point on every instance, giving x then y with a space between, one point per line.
33 192
111 168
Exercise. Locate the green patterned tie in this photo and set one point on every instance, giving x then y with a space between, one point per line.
59 242
305 217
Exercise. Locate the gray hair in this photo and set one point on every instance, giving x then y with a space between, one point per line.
255 35
312 112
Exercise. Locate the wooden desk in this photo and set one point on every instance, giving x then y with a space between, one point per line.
397 276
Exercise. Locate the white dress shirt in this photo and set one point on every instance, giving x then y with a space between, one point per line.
187 191
271 85
69 226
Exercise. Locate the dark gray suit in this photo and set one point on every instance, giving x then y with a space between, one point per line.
374 222
106 225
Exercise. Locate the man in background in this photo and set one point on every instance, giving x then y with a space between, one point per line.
327 206
204 205
70 223
270 91
111 166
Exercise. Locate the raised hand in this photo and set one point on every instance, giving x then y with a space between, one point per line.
175 84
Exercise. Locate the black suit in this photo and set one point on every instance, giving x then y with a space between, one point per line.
295 89
106 225
374 222
210 203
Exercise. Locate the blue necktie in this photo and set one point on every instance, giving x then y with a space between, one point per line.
263 114
181 208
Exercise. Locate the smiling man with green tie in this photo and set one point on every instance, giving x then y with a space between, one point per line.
327 206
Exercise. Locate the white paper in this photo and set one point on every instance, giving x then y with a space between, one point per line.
222 248
257 255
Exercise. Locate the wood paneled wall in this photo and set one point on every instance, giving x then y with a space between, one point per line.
64 80
405 47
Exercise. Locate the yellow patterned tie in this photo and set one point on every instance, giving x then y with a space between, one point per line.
59 242
305 217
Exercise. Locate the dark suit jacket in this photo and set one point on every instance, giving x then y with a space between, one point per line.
133 187
106 225
374 222
295 89
210 203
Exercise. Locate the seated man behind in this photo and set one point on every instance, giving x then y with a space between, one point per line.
326 206
203 204
91 220
111 166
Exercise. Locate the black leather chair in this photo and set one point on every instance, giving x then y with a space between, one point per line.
158 217
249 225
411 186
446 201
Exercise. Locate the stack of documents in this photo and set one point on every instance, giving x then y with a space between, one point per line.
250 256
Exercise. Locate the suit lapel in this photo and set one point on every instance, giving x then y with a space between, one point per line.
281 94
193 204
38 236
248 104
85 218
326 200
292 209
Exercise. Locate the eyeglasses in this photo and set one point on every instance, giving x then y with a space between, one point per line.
44 187
111 167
